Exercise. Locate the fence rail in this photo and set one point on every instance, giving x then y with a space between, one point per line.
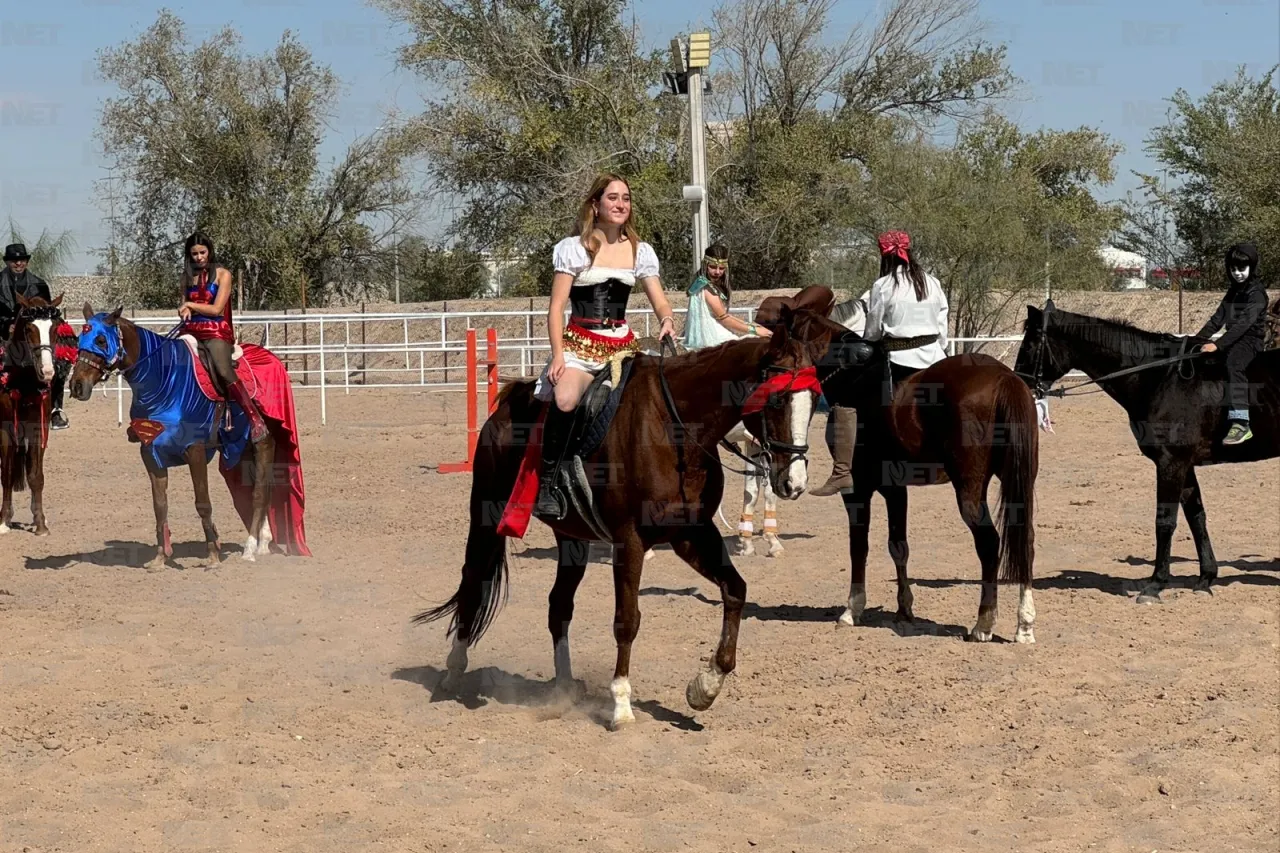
327 352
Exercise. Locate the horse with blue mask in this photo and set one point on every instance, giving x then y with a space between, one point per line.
176 423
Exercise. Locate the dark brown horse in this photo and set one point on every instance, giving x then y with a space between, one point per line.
658 479
25 404
963 420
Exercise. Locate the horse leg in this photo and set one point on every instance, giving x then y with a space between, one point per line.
857 506
260 473
628 563
746 524
1171 477
35 481
704 550
7 453
1193 511
895 502
199 466
571 567
160 504
771 519
971 495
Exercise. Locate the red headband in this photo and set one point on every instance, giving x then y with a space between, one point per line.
805 379
895 243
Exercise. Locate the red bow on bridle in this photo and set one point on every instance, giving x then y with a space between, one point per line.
895 243
792 381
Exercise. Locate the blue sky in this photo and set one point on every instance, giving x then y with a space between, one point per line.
1107 63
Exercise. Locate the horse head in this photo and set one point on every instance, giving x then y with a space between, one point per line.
782 406
839 356
102 350
1040 362
32 336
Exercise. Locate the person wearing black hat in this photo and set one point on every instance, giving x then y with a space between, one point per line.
1243 312
16 280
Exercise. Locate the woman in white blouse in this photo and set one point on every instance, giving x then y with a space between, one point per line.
906 302
595 271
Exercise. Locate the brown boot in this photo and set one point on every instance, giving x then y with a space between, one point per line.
844 423
257 427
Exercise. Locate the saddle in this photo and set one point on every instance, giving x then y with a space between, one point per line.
215 384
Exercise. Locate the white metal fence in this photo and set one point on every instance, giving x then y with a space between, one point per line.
331 352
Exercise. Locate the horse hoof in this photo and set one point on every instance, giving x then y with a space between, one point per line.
1203 587
569 691
847 620
704 688
1025 635
978 637
156 565
42 531
4 528
248 557
747 549
1149 596
621 721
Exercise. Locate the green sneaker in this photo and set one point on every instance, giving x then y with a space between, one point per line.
1238 434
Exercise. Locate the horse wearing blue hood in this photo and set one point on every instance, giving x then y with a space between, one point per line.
178 417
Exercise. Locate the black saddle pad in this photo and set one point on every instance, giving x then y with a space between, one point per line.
598 407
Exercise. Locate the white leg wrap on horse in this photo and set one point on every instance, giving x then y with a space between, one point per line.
4 528
1026 616
250 548
704 688
857 604
456 664
621 690
264 536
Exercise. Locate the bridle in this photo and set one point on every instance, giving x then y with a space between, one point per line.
774 400
54 316
105 366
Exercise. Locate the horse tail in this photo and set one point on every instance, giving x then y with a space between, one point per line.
23 462
1015 514
485 568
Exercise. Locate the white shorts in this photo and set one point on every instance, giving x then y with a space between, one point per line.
578 360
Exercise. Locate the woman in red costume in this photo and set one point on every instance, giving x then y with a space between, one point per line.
206 316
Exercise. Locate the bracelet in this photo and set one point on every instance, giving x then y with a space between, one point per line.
666 318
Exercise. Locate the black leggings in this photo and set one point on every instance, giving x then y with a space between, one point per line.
220 357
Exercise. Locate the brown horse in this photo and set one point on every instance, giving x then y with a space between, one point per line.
25 404
657 479
175 424
962 420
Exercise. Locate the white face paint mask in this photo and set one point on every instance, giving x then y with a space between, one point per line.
1239 274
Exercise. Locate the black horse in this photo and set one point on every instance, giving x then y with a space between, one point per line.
1174 397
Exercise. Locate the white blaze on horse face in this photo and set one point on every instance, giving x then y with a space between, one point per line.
801 414
45 367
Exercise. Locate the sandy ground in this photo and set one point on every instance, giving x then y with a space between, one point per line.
288 705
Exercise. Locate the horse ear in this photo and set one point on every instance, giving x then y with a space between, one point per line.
88 311
57 302
114 316
22 300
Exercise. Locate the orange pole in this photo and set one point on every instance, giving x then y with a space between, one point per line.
492 361
473 430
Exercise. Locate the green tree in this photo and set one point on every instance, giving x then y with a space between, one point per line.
537 98
987 215
209 137
1223 152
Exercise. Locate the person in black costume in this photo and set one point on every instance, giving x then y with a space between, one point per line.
1242 313
16 280
595 271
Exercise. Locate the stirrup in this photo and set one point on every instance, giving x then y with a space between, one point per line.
551 502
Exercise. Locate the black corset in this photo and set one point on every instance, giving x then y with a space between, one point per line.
600 304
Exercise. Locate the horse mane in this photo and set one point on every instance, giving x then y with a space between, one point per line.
1106 332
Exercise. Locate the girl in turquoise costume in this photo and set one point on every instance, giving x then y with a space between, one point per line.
709 322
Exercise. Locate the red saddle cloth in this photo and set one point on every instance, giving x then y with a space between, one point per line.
519 508
267 381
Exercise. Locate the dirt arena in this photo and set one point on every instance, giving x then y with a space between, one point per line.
288 705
